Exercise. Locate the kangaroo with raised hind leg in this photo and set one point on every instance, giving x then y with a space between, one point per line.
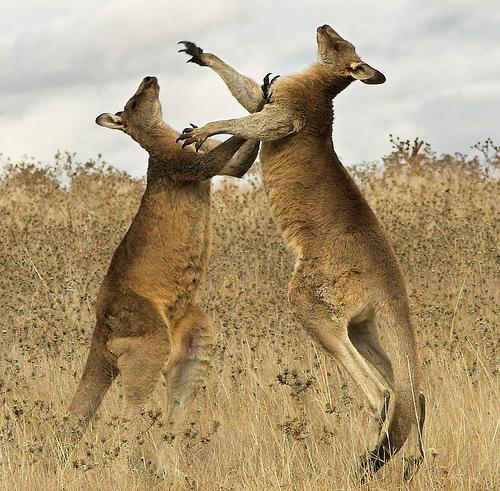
147 307
347 289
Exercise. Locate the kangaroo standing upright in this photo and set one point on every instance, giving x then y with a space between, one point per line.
147 307
347 289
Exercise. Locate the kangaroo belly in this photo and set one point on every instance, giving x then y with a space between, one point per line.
164 254
322 214
292 179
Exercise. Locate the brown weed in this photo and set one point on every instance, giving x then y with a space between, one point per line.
276 412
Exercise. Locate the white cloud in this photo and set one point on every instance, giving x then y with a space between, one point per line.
67 62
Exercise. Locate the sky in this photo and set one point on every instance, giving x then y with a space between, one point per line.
63 62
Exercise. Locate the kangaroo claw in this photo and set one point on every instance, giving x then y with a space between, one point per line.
185 133
187 142
385 407
194 51
266 86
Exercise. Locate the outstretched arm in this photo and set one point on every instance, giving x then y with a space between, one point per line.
238 164
242 160
274 122
198 166
245 90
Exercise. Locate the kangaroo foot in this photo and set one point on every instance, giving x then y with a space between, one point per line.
412 463
377 457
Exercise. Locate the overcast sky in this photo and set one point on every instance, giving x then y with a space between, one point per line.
64 62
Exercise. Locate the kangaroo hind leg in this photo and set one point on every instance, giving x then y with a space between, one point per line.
140 360
331 331
415 454
140 355
192 341
365 338
98 374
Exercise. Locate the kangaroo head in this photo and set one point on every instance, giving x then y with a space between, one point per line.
340 56
141 114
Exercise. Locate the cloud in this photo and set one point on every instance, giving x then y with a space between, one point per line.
101 42
67 62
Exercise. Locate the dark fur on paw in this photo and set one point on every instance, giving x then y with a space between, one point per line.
266 87
194 51
185 133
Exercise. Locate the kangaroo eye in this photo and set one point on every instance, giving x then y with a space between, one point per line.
134 103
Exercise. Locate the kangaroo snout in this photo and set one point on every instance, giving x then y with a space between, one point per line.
150 80
326 29
148 83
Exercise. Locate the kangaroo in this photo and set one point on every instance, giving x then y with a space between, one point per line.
147 307
347 288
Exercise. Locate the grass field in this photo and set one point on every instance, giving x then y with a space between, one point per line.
276 413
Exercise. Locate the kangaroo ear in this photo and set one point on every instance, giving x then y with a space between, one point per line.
113 121
364 72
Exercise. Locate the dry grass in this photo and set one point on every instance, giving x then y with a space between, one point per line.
276 413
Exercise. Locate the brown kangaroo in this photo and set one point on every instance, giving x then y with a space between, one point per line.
147 307
347 290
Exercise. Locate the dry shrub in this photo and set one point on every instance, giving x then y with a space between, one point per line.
276 412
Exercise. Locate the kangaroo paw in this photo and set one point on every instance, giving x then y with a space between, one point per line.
194 51
266 87
193 135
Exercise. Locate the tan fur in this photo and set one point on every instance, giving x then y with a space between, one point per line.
347 289
147 306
